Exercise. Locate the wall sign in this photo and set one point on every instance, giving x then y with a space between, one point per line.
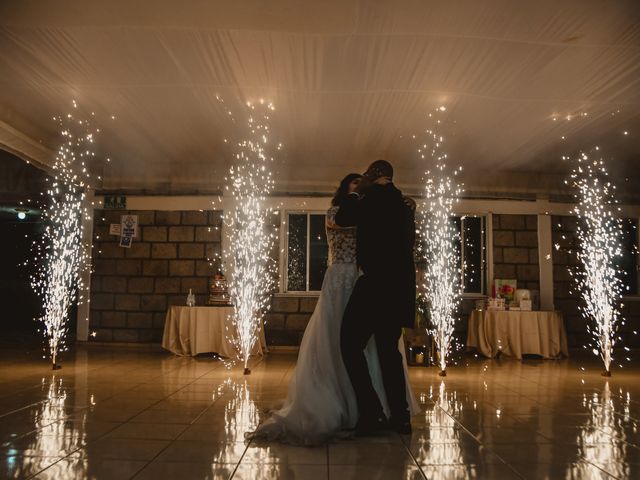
115 202
129 226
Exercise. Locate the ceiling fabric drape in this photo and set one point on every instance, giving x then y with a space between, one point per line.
351 81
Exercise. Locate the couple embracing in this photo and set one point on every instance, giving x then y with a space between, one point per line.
351 373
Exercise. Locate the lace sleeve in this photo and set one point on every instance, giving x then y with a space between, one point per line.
331 218
330 222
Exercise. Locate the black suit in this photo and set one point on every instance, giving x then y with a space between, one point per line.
383 300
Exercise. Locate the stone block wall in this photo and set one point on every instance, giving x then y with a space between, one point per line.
568 301
564 258
286 321
460 331
515 249
289 316
131 288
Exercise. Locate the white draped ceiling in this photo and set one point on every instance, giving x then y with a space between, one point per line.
351 81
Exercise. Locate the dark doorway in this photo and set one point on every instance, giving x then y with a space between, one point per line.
20 224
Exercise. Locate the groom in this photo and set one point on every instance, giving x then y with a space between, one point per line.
383 300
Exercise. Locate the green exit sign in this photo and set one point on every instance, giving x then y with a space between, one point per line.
115 202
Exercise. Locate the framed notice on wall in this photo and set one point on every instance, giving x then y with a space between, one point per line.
129 226
125 242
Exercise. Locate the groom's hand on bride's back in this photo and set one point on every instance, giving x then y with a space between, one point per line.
409 202
364 185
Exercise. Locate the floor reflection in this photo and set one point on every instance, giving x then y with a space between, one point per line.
602 441
57 433
240 412
439 443
538 419
137 413
240 415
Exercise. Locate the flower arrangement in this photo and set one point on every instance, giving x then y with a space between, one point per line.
506 289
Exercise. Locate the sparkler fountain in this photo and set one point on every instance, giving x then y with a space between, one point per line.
60 255
439 237
250 239
599 235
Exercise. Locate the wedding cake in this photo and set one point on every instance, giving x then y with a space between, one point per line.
218 292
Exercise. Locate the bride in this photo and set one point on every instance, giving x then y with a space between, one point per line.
321 400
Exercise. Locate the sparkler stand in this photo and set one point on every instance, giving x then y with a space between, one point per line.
442 373
606 373
247 371
54 365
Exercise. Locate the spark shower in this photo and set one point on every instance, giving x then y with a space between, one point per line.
60 255
599 233
443 272
249 231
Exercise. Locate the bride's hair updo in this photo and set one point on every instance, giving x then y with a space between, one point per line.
343 189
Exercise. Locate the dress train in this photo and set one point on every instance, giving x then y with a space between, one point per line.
321 401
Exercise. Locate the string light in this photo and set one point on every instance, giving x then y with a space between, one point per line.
439 239
251 237
599 232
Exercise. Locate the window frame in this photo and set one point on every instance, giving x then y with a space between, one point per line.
635 296
284 248
486 240
484 248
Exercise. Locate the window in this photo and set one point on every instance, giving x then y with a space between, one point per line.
473 254
629 262
472 250
307 252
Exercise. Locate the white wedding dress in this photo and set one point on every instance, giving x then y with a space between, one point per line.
321 401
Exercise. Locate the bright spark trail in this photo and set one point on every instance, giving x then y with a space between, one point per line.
440 236
60 255
251 238
599 233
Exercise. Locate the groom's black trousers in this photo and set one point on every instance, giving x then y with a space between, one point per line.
370 311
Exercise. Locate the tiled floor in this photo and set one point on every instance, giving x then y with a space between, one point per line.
115 412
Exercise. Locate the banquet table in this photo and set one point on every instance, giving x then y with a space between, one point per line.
194 330
517 333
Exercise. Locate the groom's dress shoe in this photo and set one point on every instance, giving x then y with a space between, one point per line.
371 426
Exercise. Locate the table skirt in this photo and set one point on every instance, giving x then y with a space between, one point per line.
194 330
516 333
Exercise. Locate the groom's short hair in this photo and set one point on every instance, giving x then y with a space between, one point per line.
379 168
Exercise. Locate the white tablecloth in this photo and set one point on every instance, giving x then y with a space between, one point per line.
194 330
515 333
